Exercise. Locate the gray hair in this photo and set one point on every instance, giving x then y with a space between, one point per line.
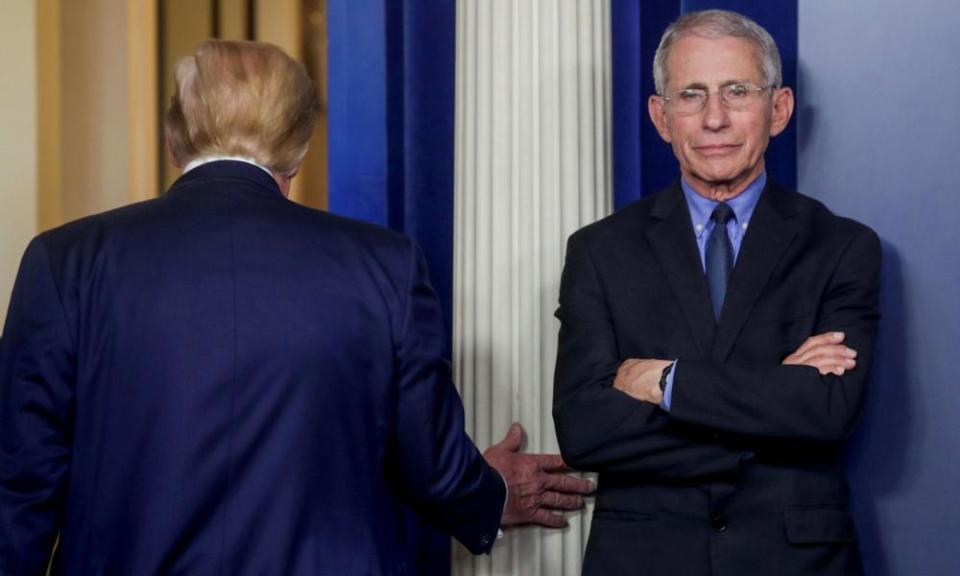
718 24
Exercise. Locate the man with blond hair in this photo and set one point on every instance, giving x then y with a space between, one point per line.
715 337
220 381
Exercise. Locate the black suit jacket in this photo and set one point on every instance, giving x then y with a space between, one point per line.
743 475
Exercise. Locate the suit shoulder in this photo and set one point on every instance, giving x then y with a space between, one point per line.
74 231
357 232
626 220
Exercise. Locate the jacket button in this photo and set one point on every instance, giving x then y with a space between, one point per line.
484 540
719 524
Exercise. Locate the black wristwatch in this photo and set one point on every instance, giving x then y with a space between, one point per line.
663 377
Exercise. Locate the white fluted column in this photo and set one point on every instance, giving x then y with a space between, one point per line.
532 166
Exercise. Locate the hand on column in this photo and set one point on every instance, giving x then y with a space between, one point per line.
537 484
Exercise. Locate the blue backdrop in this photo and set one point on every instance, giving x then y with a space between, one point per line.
879 134
391 106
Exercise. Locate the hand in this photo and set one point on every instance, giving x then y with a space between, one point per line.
536 483
826 353
640 378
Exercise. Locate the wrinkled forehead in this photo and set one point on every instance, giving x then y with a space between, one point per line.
711 61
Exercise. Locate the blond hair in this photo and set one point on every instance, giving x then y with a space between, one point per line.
244 99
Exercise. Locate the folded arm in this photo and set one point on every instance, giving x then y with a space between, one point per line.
600 428
813 395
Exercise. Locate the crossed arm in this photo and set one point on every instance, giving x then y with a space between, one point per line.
606 407
640 377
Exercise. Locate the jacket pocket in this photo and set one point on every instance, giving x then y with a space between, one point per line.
818 525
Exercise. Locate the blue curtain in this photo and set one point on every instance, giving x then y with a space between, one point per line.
391 106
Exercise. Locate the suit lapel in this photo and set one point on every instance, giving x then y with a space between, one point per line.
772 228
674 243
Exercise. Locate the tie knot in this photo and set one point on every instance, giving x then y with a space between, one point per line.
722 213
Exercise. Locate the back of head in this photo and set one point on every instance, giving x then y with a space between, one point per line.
245 99
718 24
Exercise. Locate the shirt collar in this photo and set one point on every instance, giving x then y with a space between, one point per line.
201 160
742 204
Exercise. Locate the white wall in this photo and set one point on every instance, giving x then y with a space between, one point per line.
18 139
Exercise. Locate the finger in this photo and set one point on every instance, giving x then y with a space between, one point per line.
819 339
806 345
837 370
825 351
825 339
549 519
568 484
549 462
818 354
838 351
830 368
513 439
846 363
825 358
559 501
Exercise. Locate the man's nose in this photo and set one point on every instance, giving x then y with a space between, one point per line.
715 113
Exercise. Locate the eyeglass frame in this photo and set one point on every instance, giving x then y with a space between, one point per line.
750 86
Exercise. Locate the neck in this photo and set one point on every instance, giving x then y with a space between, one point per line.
718 192
282 181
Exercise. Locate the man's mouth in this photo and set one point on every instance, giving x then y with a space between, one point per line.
716 149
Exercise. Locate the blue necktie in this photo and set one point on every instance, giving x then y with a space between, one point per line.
719 257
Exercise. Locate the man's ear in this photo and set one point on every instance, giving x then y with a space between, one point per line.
284 181
177 163
657 108
782 110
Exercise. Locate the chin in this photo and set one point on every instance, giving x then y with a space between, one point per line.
716 177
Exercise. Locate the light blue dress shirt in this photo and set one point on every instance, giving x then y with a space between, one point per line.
701 209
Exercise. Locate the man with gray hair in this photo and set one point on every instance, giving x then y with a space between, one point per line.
715 337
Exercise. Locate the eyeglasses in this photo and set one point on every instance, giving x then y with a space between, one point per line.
738 96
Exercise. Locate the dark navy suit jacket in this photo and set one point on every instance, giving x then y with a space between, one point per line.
221 381
743 476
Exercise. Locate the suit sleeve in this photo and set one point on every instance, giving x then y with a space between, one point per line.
36 410
437 465
600 428
795 403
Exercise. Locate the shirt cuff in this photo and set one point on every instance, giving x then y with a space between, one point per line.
506 497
